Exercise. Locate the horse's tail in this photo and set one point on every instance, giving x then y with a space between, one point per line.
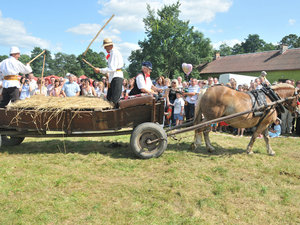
198 108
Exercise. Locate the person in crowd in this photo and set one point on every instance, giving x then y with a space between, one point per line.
114 70
179 79
240 87
171 97
1 88
25 88
178 108
87 89
125 88
210 82
97 88
216 81
297 129
286 119
184 86
276 131
103 90
253 86
245 87
191 98
131 84
143 83
258 84
32 83
9 70
51 85
70 88
263 79
41 88
160 82
56 90
233 83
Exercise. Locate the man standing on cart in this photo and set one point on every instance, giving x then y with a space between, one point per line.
9 71
114 71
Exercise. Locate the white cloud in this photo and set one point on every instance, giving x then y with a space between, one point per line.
13 32
292 22
125 48
130 13
230 43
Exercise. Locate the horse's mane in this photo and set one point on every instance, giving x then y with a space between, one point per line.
282 85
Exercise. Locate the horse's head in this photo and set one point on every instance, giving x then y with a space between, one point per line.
285 91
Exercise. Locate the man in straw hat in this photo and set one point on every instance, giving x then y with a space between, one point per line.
114 70
9 71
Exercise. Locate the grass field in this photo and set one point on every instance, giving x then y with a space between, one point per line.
95 181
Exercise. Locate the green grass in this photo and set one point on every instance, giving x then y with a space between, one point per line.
91 181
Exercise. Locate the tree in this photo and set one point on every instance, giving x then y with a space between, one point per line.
96 59
2 57
253 43
64 63
24 59
37 65
225 50
292 40
170 42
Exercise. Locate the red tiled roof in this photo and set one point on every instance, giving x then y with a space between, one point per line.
270 61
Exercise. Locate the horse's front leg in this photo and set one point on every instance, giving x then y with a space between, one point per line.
197 139
252 140
209 147
267 140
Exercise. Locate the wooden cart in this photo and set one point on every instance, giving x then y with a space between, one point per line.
141 117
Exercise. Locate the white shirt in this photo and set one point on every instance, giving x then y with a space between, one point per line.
140 82
178 103
33 86
115 61
12 66
193 99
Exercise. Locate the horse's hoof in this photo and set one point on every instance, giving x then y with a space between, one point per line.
211 149
193 147
250 153
272 154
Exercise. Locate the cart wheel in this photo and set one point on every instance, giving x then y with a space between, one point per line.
11 140
142 137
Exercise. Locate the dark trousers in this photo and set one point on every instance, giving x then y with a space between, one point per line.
9 94
115 90
189 111
298 126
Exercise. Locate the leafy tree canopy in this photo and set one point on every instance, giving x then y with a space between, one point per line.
169 43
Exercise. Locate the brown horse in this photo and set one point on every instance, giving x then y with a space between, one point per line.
219 101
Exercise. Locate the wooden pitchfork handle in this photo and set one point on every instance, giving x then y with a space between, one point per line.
88 63
98 34
36 57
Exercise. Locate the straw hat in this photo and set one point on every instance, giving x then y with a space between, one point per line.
14 50
107 42
277 119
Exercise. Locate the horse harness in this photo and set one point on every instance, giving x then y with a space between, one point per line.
258 98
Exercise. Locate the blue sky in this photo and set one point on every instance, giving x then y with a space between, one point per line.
68 26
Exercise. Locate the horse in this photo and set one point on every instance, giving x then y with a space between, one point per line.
219 101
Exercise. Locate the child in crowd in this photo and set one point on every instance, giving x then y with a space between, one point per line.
178 108
276 131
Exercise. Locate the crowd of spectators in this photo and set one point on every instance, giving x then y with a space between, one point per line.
180 96
189 91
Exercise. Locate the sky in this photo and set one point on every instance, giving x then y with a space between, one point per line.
68 26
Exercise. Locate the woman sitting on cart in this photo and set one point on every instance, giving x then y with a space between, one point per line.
143 83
